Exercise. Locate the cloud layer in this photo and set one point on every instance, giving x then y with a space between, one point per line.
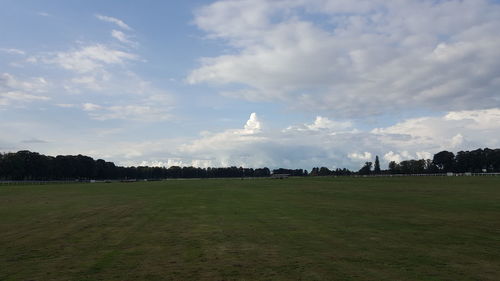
256 144
365 58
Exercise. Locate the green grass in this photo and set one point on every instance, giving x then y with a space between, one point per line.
422 228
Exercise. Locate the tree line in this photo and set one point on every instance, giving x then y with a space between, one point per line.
475 161
27 165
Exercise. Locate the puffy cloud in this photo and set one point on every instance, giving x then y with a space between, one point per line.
90 106
319 143
322 123
360 156
478 119
253 124
454 130
256 144
116 21
405 155
309 144
367 57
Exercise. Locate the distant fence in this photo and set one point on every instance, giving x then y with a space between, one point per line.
37 182
431 175
40 182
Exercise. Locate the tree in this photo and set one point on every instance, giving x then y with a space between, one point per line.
376 168
444 160
324 171
393 167
366 169
314 171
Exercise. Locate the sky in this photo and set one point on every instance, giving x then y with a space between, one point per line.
252 83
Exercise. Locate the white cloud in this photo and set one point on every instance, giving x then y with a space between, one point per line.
255 144
403 155
16 90
322 123
116 21
36 84
90 106
457 140
66 105
12 51
253 124
366 156
137 112
6 98
367 57
43 14
423 155
90 58
123 94
134 112
304 145
452 131
124 38
391 156
93 81
478 119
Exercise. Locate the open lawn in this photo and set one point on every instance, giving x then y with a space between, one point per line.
408 228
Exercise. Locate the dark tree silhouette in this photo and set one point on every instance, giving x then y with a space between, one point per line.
444 160
376 167
393 167
366 169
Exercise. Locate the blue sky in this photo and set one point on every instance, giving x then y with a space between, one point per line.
249 83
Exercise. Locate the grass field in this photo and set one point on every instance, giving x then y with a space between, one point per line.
423 228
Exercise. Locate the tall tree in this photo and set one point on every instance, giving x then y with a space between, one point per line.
376 167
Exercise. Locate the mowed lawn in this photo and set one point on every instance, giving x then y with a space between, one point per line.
411 228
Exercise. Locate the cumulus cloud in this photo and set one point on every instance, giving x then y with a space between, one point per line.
113 20
454 130
322 123
366 156
253 124
303 145
366 58
256 144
